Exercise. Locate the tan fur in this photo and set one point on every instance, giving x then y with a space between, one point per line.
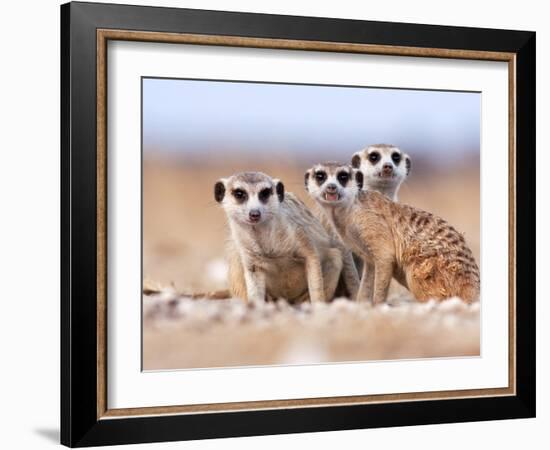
288 255
374 178
349 283
423 252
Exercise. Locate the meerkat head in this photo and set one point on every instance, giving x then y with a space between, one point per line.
384 168
249 198
332 183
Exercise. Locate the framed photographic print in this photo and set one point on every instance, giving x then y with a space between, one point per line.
277 224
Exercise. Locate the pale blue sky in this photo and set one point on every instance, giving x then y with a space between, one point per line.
189 117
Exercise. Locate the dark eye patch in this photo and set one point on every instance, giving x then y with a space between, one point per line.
359 179
396 157
265 194
240 195
219 191
343 178
408 165
320 177
374 157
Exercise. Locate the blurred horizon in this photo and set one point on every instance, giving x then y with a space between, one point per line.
235 121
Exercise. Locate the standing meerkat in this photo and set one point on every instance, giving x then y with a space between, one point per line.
384 168
277 248
421 251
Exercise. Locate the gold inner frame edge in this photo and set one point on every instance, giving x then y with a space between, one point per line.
103 36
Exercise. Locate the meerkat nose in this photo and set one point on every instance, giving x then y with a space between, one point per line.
254 215
331 187
387 170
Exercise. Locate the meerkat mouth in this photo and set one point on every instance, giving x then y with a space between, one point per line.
386 174
329 197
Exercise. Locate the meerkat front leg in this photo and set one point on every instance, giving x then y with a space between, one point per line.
349 272
366 287
315 278
235 273
332 268
255 283
383 273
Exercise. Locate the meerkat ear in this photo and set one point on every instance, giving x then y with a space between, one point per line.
219 190
356 160
280 189
306 179
359 179
408 164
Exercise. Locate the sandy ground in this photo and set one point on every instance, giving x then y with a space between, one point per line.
183 239
184 333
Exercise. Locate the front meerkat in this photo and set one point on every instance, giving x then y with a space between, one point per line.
421 251
277 248
384 168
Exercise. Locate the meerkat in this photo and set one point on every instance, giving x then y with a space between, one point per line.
348 285
384 168
421 251
277 248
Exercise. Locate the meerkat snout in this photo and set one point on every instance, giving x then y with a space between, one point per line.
250 197
384 168
331 183
255 215
387 170
331 192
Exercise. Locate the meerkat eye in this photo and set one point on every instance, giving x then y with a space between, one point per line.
343 178
374 157
396 157
265 194
239 195
320 177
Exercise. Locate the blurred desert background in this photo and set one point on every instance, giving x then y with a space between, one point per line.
197 132
184 229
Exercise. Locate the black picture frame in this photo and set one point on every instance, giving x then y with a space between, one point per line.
80 425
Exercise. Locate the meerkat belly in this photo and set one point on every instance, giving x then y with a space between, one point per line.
286 278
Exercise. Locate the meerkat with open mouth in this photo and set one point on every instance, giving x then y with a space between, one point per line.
421 251
384 167
277 247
